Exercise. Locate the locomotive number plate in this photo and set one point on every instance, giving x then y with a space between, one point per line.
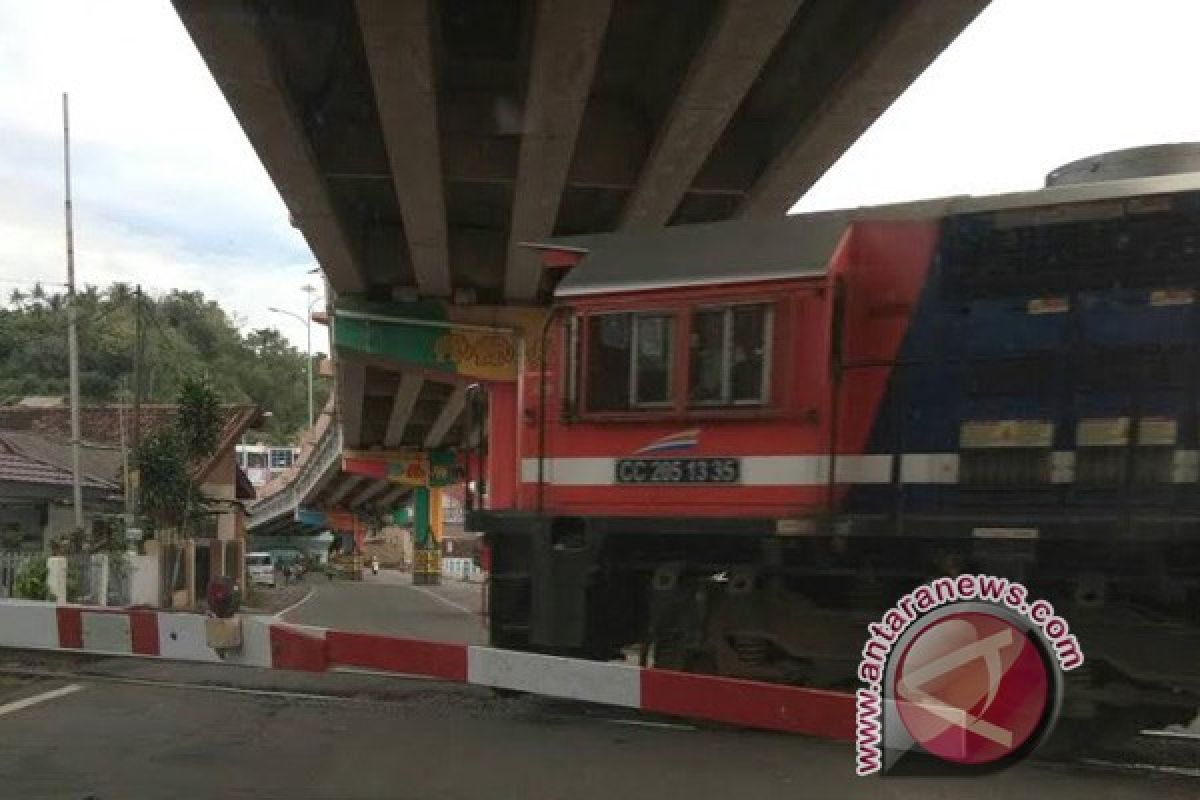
678 470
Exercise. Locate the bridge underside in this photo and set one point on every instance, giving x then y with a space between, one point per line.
418 143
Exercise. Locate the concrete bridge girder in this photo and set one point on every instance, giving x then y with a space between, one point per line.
417 143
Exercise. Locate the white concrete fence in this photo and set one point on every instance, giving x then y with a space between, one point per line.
98 575
463 569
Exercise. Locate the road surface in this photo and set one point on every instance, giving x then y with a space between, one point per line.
389 604
395 738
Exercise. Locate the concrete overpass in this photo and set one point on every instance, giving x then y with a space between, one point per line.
418 143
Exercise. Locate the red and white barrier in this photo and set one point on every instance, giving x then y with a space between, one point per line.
267 642
144 632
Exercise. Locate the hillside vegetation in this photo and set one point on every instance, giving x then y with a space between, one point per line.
183 332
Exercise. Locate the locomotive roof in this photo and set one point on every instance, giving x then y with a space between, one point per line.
800 245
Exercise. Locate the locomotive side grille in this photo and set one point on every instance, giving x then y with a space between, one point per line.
1119 370
1108 467
1015 376
1005 468
1098 246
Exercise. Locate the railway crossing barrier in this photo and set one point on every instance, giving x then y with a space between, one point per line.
269 643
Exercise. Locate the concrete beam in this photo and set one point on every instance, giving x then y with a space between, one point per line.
742 38
320 485
447 416
397 38
567 41
350 483
352 377
908 44
375 488
402 408
608 154
392 497
226 34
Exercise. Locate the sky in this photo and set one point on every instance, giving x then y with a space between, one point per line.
169 193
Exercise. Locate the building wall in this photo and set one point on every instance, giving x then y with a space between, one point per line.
393 547
60 521
25 518
221 483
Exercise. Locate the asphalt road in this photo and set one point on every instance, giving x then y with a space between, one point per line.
389 604
108 740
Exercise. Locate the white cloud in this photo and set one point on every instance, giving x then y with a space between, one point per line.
169 193
167 190
1030 85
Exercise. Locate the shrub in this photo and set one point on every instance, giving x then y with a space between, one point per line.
32 581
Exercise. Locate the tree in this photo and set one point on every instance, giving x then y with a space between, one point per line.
183 332
168 458
168 462
199 421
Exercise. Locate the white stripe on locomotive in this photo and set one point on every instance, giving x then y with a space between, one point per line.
813 470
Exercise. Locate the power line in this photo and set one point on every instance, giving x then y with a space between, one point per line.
33 282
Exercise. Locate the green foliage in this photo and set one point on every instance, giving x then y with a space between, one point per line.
167 487
32 581
184 335
170 491
199 422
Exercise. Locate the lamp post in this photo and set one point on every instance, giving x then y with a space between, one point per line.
310 290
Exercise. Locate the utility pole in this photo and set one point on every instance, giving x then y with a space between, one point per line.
135 485
309 289
125 478
72 325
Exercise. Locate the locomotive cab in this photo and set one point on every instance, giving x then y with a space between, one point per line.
685 419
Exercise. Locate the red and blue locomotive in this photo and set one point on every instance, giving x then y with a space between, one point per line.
744 440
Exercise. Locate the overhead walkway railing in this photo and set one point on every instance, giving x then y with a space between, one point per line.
285 502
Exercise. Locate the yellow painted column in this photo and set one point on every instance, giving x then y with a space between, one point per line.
436 515
427 529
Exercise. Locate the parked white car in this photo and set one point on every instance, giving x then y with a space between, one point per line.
260 569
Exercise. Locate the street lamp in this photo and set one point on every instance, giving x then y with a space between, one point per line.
310 290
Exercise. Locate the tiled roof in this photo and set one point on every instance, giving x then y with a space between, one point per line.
16 468
103 464
102 424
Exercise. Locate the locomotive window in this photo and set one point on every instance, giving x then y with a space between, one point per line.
570 366
610 342
708 358
653 339
728 356
629 361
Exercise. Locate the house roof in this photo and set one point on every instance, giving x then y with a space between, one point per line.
99 463
101 424
16 468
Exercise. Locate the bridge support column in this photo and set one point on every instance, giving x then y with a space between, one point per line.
427 535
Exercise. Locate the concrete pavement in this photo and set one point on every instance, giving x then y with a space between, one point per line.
119 740
389 604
